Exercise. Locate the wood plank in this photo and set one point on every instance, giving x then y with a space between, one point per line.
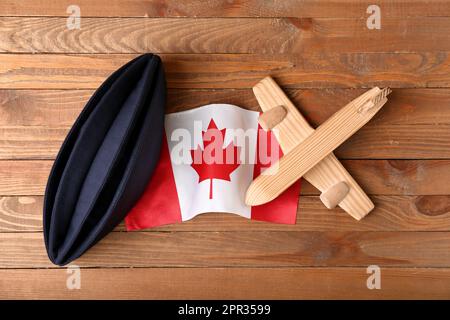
244 248
224 8
45 108
137 35
376 177
371 142
20 214
327 70
226 283
414 124
24 177
59 108
391 213
397 142
223 35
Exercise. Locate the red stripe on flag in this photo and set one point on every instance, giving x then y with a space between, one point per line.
159 203
282 209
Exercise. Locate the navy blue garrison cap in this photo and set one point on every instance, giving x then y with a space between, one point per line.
106 159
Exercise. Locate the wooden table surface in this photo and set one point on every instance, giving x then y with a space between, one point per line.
324 55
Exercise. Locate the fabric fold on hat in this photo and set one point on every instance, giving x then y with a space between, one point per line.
106 160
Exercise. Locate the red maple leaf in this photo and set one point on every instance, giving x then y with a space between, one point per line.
214 161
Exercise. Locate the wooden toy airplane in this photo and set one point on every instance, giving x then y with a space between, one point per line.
308 153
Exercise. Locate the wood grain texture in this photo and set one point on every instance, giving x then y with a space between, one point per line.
391 213
137 35
323 55
414 124
220 35
59 108
24 177
374 141
244 248
227 283
315 148
238 71
271 118
334 195
20 214
224 8
376 177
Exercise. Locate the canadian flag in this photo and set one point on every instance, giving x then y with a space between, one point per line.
208 159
